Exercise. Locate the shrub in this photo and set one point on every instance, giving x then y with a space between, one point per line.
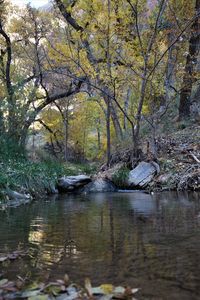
22 175
120 177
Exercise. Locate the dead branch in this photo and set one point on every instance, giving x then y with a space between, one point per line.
194 157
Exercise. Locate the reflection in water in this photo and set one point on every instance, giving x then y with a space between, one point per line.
36 237
151 242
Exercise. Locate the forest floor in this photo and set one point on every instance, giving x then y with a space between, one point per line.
179 158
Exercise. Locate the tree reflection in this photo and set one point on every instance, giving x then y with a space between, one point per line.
118 238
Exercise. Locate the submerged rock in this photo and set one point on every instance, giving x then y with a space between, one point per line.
15 199
143 174
13 195
100 185
71 183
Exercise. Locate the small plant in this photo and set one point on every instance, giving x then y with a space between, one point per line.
74 169
182 125
88 169
120 177
27 176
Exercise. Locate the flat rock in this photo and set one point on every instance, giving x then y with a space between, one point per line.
100 185
71 183
143 174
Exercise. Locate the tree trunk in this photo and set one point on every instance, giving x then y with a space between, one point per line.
191 61
23 133
66 133
126 106
108 150
171 63
115 120
139 113
108 100
2 125
99 133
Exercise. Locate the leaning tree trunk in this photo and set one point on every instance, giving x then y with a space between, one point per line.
126 107
115 120
191 61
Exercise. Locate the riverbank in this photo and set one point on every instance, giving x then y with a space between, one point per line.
177 163
22 180
177 167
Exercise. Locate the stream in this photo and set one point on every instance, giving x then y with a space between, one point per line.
146 241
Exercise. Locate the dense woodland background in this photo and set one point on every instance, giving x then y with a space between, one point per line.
95 76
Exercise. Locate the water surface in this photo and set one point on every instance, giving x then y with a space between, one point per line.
146 241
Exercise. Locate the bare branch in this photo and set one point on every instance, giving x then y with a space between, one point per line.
68 16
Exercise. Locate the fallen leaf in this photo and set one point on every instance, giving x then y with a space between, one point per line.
19 284
53 288
66 279
134 291
39 297
119 290
33 286
28 294
88 287
97 291
61 282
13 256
62 297
107 288
67 296
3 258
71 290
129 291
3 281
106 297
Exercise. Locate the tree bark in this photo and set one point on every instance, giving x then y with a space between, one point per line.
126 106
108 150
191 61
116 122
171 63
8 82
66 132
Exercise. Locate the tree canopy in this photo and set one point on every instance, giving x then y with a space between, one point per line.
95 74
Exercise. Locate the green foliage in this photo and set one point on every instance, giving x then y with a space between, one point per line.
10 149
115 51
17 173
88 168
77 168
184 124
35 178
120 177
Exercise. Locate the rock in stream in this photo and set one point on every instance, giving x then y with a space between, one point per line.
143 174
72 183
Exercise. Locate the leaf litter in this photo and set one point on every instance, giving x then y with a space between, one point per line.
64 290
13 256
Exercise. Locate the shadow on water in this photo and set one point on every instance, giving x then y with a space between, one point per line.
146 241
